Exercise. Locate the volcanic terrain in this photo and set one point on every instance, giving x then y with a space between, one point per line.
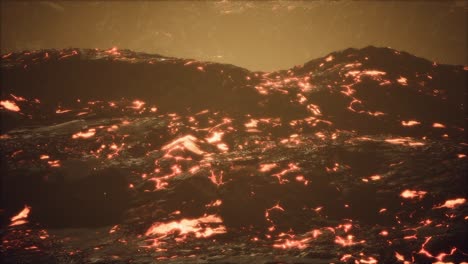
114 156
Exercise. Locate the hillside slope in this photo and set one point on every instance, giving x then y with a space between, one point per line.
113 156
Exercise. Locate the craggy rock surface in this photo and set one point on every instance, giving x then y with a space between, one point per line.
111 156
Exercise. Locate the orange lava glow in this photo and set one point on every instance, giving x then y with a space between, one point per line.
315 233
9 105
113 51
60 111
54 163
251 124
217 180
215 203
222 146
267 215
290 243
91 132
452 203
399 257
411 194
369 260
410 123
267 167
137 104
314 109
347 241
346 257
403 81
199 227
375 177
21 217
291 168
113 229
404 141
438 125
186 143
374 73
215 137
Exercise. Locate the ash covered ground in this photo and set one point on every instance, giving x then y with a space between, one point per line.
113 156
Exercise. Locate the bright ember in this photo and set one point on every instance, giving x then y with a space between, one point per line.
198 226
10 105
21 217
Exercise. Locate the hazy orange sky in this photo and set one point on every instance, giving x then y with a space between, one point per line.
266 35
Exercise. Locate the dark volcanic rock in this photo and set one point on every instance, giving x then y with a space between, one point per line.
112 156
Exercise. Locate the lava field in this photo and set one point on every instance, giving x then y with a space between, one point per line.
114 156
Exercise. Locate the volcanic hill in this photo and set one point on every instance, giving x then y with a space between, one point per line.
114 156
